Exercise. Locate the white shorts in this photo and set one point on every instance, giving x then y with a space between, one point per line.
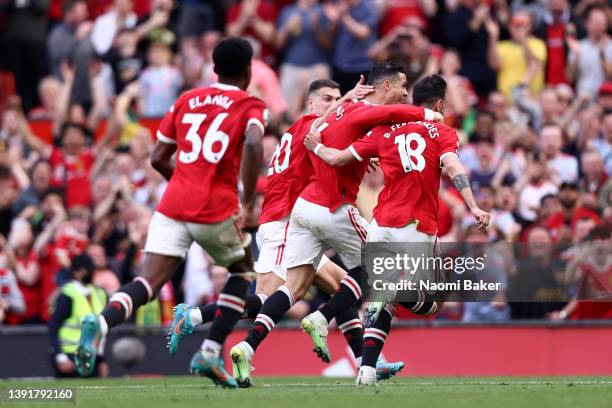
408 233
406 240
314 228
271 240
223 241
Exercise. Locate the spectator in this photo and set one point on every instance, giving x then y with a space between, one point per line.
408 46
534 184
354 24
196 17
72 33
27 271
48 92
562 167
11 299
397 12
539 285
590 60
160 82
124 59
558 23
257 19
520 54
593 171
303 36
472 31
40 177
562 225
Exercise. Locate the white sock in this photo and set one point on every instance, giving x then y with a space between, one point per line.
103 325
210 349
367 371
195 316
358 361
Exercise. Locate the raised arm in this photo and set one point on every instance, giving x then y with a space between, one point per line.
456 172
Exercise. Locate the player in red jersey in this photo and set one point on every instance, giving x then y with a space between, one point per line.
325 215
411 155
208 129
289 172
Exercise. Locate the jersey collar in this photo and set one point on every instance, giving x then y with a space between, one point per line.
225 87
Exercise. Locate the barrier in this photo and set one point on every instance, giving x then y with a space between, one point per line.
428 348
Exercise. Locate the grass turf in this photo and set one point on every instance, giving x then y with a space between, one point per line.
298 392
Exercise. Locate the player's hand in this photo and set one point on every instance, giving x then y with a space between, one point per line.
247 218
482 218
438 117
312 139
373 165
361 89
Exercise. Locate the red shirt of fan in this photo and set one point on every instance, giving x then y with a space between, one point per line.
289 172
333 186
73 173
410 156
209 126
70 242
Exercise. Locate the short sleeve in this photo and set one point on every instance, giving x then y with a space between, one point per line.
448 142
364 148
166 133
257 115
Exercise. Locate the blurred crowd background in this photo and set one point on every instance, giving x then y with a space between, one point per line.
83 84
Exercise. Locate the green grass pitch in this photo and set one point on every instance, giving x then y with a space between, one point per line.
298 392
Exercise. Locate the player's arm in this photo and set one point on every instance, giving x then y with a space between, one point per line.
251 163
331 156
374 116
456 172
166 145
161 158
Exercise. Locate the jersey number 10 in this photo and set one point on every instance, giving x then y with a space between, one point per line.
275 165
213 134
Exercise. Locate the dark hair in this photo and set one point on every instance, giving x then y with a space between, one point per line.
53 191
232 57
599 232
82 261
322 83
384 70
429 90
5 173
73 125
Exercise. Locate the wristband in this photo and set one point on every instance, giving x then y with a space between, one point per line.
563 314
317 148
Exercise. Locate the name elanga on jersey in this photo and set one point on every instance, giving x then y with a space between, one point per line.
220 100
432 130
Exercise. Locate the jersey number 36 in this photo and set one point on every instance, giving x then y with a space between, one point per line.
205 145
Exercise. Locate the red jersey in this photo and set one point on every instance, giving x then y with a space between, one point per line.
410 156
208 125
333 186
289 173
73 172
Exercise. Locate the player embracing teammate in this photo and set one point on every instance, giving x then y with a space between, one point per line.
411 155
324 216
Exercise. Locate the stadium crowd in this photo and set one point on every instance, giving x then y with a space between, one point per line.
529 91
